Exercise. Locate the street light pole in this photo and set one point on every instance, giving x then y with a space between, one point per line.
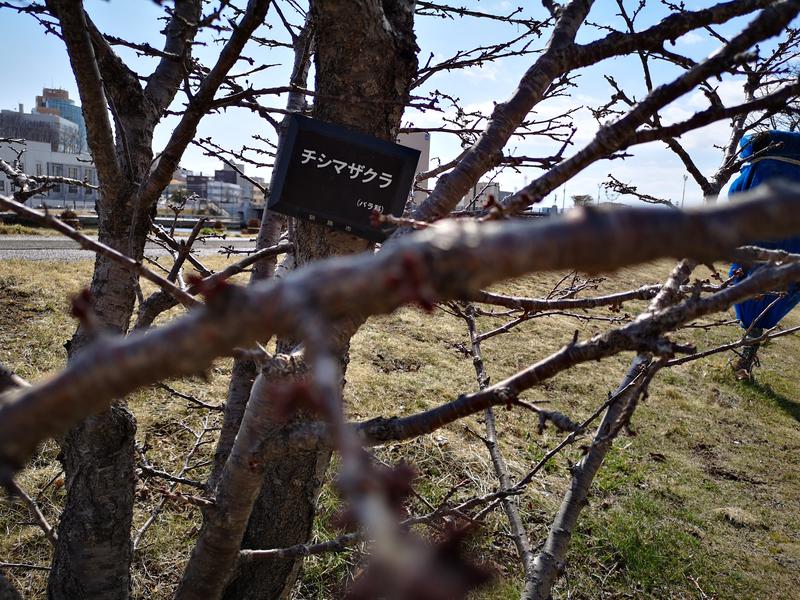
683 194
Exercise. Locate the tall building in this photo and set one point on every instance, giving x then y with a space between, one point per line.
55 101
61 134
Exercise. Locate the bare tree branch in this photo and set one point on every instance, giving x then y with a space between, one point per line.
113 367
534 304
562 56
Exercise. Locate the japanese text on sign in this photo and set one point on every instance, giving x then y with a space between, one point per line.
352 170
369 205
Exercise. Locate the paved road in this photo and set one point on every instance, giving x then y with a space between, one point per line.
34 247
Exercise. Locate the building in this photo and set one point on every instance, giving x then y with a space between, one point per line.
62 135
227 195
478 196
55 120
259 196
542 210
241 196
40 159
222 194
233 174
419 141
55 101
197 184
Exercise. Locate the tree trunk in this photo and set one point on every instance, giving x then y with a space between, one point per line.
366 91
8 591
93 552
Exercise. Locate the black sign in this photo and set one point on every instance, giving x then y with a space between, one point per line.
338 177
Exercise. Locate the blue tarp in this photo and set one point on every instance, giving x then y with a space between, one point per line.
773 164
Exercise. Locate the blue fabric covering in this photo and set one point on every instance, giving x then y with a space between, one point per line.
752 174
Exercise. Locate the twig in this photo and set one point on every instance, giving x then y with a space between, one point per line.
49 532
518 533
767 335
31 567
339 544
190 398
646 292
199 437
172 243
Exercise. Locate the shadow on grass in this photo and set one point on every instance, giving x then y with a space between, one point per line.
789 406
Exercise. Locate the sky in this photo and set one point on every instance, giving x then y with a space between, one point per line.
33 60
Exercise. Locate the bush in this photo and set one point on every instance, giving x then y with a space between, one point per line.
219 226
70 217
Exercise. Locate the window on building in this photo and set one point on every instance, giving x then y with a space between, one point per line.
72 173
38 169
58 171
2 185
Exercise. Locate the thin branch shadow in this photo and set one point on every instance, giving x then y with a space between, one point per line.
789 406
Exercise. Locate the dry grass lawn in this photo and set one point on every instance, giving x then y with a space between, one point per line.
702 502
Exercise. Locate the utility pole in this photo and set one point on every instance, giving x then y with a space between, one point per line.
683 194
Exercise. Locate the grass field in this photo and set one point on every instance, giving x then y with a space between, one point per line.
704 501
23 230
11 230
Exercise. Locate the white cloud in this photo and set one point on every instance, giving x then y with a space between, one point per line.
691 39
487 71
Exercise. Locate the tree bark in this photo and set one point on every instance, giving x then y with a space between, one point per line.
93 552
365 90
